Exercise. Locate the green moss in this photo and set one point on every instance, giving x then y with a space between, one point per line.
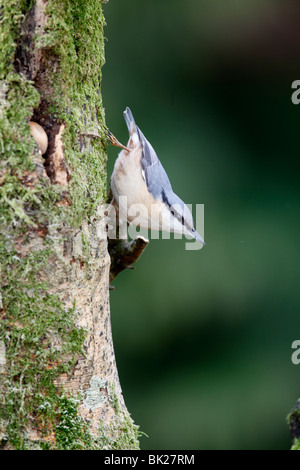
71 430
113 399
122 433
16 148
85 247
37 333
74 33
296 444
18 98
12 16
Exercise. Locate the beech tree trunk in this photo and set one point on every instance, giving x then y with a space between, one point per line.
59 383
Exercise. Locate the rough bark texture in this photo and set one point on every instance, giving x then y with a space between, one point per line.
59 382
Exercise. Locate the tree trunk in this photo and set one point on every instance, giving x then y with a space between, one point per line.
59 382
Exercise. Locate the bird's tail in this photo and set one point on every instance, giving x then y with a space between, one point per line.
130 122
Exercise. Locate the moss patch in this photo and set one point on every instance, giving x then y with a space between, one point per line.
74 33
37 334
72 431
122 433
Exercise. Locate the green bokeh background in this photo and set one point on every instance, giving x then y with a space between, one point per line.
203 338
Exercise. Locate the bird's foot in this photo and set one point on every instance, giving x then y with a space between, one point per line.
114 141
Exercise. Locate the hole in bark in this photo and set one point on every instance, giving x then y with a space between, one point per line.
36 64
51 157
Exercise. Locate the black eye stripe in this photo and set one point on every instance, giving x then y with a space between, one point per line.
175 214
164 198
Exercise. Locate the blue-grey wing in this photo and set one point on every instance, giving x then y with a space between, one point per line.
156 177
159 185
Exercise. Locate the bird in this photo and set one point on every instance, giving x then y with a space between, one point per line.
139 178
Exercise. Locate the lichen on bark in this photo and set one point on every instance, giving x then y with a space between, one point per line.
54 264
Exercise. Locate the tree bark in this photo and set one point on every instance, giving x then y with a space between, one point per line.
59 383
294 425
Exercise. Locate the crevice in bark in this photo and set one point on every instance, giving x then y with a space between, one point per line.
37 64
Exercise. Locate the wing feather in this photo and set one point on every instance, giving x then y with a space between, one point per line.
156 177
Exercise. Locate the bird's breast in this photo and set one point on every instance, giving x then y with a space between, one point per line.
127 180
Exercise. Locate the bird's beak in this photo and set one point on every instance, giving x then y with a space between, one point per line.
197 236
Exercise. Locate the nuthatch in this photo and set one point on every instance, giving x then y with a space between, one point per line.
139 175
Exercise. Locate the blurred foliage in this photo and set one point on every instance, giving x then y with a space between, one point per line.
203 338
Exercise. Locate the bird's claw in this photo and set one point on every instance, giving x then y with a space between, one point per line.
113 140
